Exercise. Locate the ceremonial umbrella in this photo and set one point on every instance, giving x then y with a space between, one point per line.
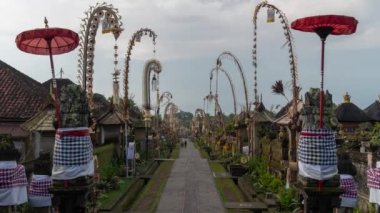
325 25
48 41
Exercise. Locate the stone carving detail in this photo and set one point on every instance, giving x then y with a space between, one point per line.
73 106
309 115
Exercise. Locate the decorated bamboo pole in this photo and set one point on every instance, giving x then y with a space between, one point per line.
73 163
292 127
317 157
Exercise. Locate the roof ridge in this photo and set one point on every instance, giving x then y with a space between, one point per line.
16 73
22 96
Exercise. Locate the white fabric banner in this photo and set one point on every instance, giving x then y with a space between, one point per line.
131 151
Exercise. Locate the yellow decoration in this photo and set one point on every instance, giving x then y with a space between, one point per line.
243 159
346 98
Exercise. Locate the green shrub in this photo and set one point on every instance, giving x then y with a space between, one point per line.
265 180
287 199
275 185
258 172
207 150
257 167
110 171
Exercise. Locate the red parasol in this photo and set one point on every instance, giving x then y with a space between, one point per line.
324 26
48 41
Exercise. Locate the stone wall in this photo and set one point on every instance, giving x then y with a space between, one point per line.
272 152
360 162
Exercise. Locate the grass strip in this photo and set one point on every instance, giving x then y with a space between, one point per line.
104 154
130 197
108 200
217 167
227 189
175 152
148 199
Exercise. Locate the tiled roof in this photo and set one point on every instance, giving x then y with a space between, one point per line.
112 117
60 82
20 96
13 129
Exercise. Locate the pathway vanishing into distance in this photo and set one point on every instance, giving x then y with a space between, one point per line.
190 187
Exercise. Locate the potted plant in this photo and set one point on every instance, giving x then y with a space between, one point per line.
238 166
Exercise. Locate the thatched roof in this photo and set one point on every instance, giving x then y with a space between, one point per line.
349 112
261 115
373 111
284 116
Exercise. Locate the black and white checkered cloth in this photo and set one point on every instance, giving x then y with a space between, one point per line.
10 178
349 188
72 147
40 187
317 147
373 178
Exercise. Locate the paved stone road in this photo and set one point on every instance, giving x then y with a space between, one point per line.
190 187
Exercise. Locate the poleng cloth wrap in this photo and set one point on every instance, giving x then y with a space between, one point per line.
317 147
349 187
40 186
13 177
373 178
73 147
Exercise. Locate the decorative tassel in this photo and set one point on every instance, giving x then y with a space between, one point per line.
270 15
106 27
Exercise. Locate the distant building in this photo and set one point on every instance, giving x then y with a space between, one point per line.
373 111
109 126
349 116
41 130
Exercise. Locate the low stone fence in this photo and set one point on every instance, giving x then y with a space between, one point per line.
360 162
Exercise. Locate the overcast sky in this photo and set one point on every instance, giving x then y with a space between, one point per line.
192 33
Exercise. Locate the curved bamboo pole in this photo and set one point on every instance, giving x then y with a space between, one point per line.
292 56
136 37
88 32
229 80
229 55
151 65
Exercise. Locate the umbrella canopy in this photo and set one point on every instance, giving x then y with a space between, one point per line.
37 41
323 26
48 41
339 25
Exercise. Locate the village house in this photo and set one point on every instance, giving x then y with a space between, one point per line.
21 97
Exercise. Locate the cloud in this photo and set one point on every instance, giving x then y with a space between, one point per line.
191 34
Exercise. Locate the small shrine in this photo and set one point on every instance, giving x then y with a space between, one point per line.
373 111
349 116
